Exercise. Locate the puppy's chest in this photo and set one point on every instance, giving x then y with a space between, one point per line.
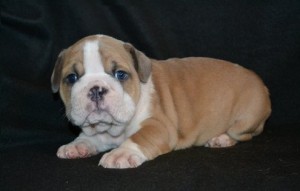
110 136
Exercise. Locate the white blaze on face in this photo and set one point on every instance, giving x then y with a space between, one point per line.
91 58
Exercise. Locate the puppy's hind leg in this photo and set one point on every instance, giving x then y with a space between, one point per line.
244 131
252 117
240 131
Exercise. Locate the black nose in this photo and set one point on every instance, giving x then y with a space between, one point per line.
96 93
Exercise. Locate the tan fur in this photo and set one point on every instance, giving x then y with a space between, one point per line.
197 99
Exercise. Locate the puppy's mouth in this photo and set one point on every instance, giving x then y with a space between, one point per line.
100 117
103 123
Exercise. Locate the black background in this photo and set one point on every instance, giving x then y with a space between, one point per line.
263 36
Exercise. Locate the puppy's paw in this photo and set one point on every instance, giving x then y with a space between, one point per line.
75 150
122 158
221 141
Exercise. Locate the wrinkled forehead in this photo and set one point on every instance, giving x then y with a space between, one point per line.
94 54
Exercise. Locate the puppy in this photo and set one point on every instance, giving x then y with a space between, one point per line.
142 108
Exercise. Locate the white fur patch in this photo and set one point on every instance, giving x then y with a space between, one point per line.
92 58
143 108
116 108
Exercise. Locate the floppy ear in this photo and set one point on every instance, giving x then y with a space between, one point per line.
142 63
56 74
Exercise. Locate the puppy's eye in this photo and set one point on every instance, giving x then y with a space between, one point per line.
71 78
121 75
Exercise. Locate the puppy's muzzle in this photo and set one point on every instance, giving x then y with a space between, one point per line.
97 93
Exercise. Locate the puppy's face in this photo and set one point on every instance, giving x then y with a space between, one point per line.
99 82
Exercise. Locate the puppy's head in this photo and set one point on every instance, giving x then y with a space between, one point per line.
99 80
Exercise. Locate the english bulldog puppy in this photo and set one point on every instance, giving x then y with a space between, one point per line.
142 108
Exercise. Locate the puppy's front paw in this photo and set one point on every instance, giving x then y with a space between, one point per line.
122 158
76 150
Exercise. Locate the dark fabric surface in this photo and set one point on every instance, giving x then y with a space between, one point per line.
263 36
269 162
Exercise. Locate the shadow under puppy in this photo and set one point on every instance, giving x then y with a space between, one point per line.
142 108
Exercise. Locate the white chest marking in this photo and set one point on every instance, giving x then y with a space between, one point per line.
143 109
92 58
